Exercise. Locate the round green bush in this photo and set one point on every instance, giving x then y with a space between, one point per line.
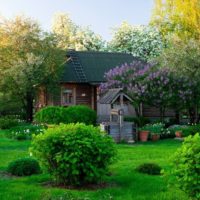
149 168
24 167
74 154
51 115
71 114
186 166
81 114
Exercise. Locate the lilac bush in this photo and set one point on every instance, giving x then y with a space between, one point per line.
150 85
130 78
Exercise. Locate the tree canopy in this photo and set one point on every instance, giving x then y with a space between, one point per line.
75 37
29 58
178 17
144 42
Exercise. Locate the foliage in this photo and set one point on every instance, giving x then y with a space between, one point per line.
7 122
130 78
151 85
191 130
25 132
176 127
75 37
170 121
177 17
156 129
10 104
149 168
185 129
131 184
24 167
139 121
182 57
51 115
74 154
71 114
81 114
167 133
29 58
153 128
187 166
144 42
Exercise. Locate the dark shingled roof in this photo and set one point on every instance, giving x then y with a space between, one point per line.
111 95
94 65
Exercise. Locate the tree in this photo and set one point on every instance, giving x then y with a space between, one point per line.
177 16
144 42
75 37
183 59
65 29
29 58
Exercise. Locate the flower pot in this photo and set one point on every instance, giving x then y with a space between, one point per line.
155 137
143 135
178 134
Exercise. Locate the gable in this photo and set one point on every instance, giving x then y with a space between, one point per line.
112 95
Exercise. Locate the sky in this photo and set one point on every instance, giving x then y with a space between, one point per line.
100 15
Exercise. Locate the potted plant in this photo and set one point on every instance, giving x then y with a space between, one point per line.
156 130
178 134
177 130
143 133
155 136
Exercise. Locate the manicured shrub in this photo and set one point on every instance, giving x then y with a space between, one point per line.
149 168
25 132
51 115
71 114
24 167
81 114
186 166
74 154
7 122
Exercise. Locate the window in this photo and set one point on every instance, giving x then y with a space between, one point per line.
67 96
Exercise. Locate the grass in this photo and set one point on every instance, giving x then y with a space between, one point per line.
126 183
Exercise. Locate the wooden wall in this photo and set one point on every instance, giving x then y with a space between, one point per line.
154 112
84 94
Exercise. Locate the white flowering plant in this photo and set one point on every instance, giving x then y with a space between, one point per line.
25 132
154 129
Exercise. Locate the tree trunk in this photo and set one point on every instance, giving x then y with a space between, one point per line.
29 107
177 117
192 115
162 114
138 111
196 114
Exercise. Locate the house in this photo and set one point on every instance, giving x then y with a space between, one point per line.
79 84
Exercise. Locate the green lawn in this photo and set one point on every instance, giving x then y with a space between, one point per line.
125 183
